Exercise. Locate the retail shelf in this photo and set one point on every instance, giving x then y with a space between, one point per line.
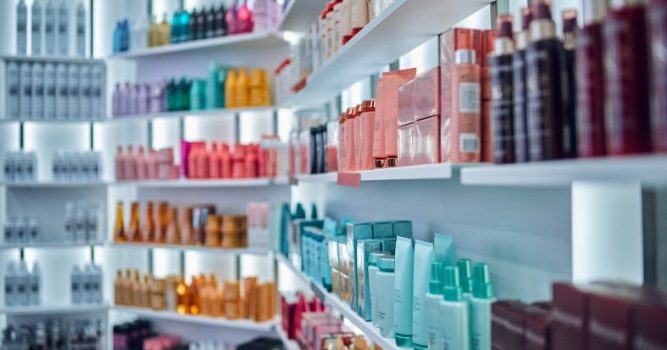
192 248
202 320
415 172
52 121
182 183
53 184
326 177
247 39
53 309
287 343
650 170
180 114
54 59
300 14
51 245
405 24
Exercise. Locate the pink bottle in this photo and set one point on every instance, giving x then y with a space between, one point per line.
358 157
201 160
349 141
192 165
214 161
130 167
152 166
232 19
142 164
238 162
367 127
120 163
225 162
245 20
250 162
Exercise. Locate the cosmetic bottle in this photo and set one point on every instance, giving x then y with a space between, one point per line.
80 30
520 91
627 78
175 34
96 81
231 18
487 44
49 91
22 284
242 89
37 27
358 133
544 57
502 99
37 92
434 328
350 139
62 90
466 104
570 28
80 225
25 91
10 284
63 29
590 81
132 232
185 18
21 28
385 287
35 284
195 26
220 21
658 24
214 93
373 295
73 92
75 285
480 308
50 28
403 289
453 313
85 90
92 222
423 258
367 127
211 24
13 90
245 19
148 224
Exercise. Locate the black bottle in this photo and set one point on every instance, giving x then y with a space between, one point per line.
221 22
569 18
501 92
544 78
211 24
520 93
201 24
193 24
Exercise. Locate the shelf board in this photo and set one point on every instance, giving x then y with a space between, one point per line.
184 183
246 39
192 248
405 24
51 245
181 114
415 172
300 14
51 59
53 184
326 177
52 121
649 170
53 309
201 320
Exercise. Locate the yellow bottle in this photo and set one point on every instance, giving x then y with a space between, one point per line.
119 227
256 89
133 231
242 89
266 88
153 33
164 30
182 300
230 89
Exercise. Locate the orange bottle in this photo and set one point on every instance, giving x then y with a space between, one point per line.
193 297
256 89
148 227
466 104
172 235
119 227
230 89
163 222
186 226
242 89
133 230
182 297
192 161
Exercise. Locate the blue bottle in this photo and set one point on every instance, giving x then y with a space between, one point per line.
125 35
186 35
176 27
116 38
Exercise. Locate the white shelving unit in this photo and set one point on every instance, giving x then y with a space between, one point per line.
192 248
54 184
229 42
52 245
180 114
416 172
183 183
300 14
199 320
401 27
53 309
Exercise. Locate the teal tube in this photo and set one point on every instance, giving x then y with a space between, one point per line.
423 257
403 292
443 246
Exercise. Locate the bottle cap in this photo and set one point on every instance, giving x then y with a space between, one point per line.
435 285
368 105
386 263
541 10
452 286
505 29
404 340
373 259
526 18
569 18
482 286
465 274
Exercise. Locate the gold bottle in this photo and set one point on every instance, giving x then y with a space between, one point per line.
158 291
148 227
193 296
213 231
256 89
218 302
127 288
250 298
133 230
119 227
172 235
242 89
118 294
164 212
152 32
137 292
230 90
163 31
232 300
182 297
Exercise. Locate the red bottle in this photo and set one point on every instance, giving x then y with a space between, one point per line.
250 159
590 83
141 164
238 164
201 160
627 79
214 162
225 162
658 20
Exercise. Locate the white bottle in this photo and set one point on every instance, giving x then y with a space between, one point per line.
96 165
61 91
33 230
35 285
25 91
87 280
10 284
22 284
37 91
14 90
453 312
96 84
99 284
49 91
70 221
37 25
73 92
8 166
84 166
84 92
75 282
63 29
81 223
56 166
31 166
80 30
21 28
22 230
50 28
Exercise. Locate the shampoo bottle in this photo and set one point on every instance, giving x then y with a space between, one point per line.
37 27
49 91
570 28
480 308
10 284
373 270
25 91
453 313
520 92
402 291
22 284
21 28
13 90
50 28
37 91
35 284
63 29
385 287
80 30
73 92
214 88
61 91
502 89
434 327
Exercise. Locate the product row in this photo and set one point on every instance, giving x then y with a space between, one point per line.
315 329
54 91
139 334
55 334
223 88
22 287
84 222
19 166
21 230
140 164
202 23
593 92
87 284
50 28
204 295
196 225
77 166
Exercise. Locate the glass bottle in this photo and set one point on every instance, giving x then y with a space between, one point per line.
182 297
164 29
133 230
119 227
148 227
176 27
186 34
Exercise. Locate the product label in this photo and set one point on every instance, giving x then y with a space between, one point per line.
469 98
502 106
468 143
606 333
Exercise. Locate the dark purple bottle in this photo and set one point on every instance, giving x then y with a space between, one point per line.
502 90
201 24
569 18
520 93
221 21
211 25
544 78
627 79
592 141
658 18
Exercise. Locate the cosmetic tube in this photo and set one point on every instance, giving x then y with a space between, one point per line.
520 92
443 249
480 308
379 155
502 100
403 291
453 313
364 249
423 257
373 295
356 232
433 298
385 286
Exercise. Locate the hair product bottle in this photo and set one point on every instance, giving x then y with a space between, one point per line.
502 89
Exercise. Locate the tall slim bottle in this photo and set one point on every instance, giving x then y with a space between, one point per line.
37 91
63 29
175 27
627 78
21 28
453 311
186 34
570 28
591 87
132 232
211 23
658 20
37 27
520 93
50 28
80 30
501 96
480 308
544 58
221 21
434 327
466 105
148 227
193 25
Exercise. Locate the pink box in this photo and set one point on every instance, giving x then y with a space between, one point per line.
407 102
406 136
426 141
419 98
